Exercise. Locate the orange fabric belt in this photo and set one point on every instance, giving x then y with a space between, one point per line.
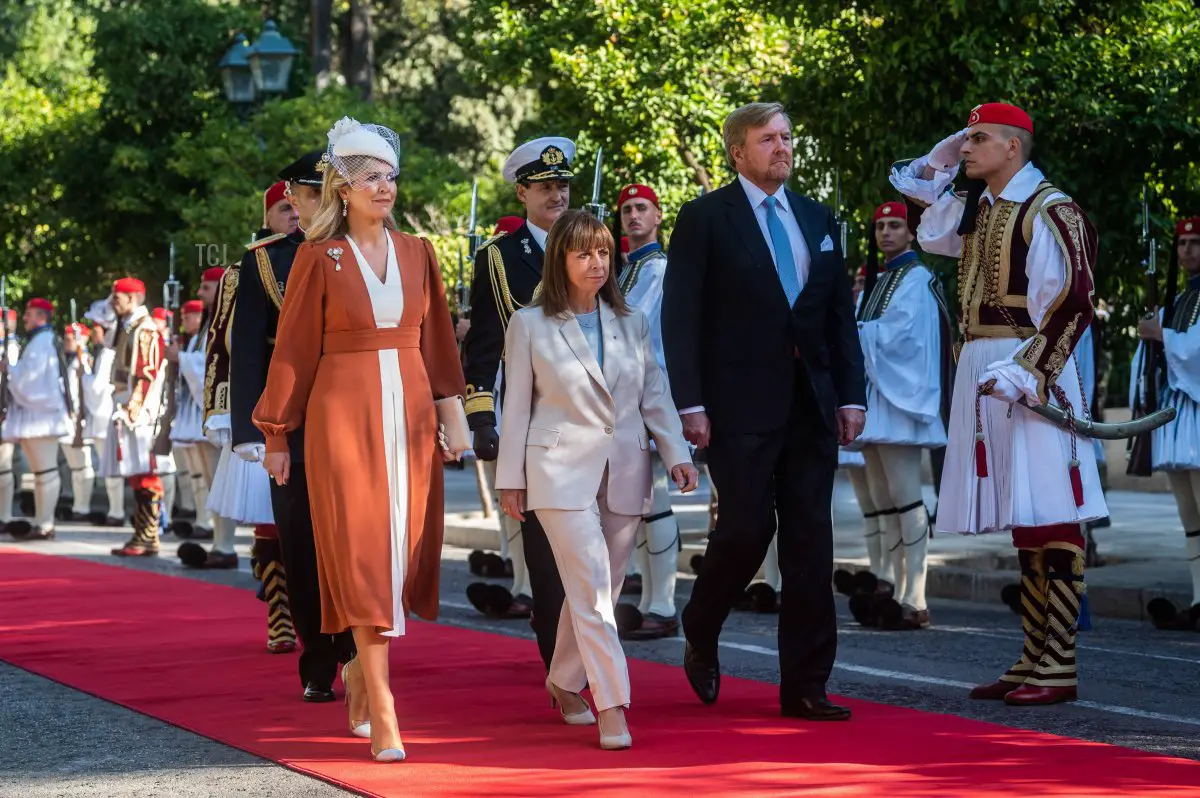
336 343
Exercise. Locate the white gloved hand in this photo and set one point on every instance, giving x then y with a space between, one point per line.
947 153
251 452
1003 388
217 437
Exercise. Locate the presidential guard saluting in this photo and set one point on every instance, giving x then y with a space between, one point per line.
77 445
261 288
38 416
137 379
241 488
508 271
200 457
657 552
902 322
1026 252
1175 447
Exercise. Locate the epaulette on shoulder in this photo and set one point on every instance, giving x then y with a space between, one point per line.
262 242
493 239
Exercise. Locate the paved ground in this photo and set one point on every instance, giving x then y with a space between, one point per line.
1139 685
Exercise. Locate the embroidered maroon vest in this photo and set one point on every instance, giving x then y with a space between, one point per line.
992 284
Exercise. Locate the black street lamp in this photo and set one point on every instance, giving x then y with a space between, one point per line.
236 73
271 60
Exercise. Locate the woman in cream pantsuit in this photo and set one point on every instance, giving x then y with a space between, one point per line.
583 395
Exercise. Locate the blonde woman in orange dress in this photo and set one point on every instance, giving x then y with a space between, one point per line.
365 346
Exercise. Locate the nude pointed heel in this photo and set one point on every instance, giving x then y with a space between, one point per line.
616 742
584 718
359 728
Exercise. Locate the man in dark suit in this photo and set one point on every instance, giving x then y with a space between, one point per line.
508 274
765 367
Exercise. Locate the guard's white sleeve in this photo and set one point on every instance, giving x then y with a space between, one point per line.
938 230
1046 269
1183 360
646 296
902 348
191 368
35 380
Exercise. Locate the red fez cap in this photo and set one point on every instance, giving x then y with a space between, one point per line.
213 275
1000 114
192 306
37 303
637 190
889 210
76 330
129 285
1188 227
273 194
159 314
508 224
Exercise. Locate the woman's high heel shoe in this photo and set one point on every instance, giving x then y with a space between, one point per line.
389 755
584 718
615 742
359 728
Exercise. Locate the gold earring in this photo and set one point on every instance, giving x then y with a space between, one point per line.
345 206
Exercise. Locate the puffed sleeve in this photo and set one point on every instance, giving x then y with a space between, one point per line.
281 407
658 411
439 348
1183 360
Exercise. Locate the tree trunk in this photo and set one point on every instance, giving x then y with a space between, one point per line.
359 62
321 41
702 176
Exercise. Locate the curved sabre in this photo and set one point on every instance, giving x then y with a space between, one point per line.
1105 432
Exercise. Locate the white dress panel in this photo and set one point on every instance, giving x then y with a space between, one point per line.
387 305
902 355
37 407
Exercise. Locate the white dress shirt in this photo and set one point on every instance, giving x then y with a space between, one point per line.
800 254
539 235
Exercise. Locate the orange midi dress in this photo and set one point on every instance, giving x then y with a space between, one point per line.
358 363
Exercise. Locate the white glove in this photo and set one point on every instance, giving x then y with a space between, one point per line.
217 437
251 452
1004 389
947 153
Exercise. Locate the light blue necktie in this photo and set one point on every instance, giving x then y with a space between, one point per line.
785 264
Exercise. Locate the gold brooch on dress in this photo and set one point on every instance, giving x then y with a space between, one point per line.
336 254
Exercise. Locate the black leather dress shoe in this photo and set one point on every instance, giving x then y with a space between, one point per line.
318 693
815 709
703 675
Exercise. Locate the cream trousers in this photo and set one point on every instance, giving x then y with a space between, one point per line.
591 548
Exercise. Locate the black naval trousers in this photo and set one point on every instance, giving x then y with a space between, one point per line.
322 652
546 584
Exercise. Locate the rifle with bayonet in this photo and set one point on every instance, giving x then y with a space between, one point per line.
81 361
172 295
596 207
4 354
1146 396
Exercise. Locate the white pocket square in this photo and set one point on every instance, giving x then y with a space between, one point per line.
827 244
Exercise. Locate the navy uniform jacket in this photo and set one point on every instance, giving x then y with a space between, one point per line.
255 320
508 269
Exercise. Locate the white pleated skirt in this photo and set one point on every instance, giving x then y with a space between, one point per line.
1028 458
130 453
241 491
850 459
1176 446
888 424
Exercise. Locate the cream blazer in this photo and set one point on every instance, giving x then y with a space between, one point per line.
564 419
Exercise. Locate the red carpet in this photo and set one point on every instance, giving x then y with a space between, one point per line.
476 721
